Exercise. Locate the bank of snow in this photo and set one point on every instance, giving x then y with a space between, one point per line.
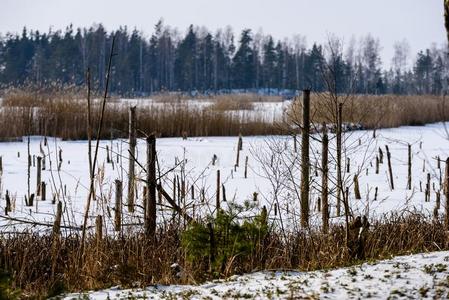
419 276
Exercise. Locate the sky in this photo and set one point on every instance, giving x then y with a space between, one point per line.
420 22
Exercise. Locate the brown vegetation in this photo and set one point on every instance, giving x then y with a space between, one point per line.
41 113
61 112
383 111
132 259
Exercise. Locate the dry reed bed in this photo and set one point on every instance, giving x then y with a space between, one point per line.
385 111
61 112
130 260
65 117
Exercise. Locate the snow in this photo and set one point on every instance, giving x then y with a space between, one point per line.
262 111
419 276
268 158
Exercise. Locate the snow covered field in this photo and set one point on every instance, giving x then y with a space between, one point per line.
420 276
264 111
268 158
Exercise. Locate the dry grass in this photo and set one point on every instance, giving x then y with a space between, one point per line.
132 260
61 112
230 103
43 113
377 111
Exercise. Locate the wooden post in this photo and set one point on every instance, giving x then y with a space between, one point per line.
43 191
29 201
446 194
390 171
356 188
150 214
246 167
29 172
339 150
218 191
375 193
38 176
8 203
132 155
108 158
203 195
118 205
224 192
57 223
239 148
255 194
377 165
324 180
238 158
438 199
305 160
99 229
381 156
60 159
428 188
348 165
409 175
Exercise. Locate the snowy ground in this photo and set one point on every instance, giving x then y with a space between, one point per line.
420 276
273 173
265 111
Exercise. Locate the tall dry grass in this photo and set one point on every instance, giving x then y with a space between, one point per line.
61 112
43 113
372 111
132 260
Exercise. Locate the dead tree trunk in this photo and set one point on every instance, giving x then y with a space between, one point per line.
43 191
446 194
357 188
324 180
118 205
218 191
377 165
305 160
339 150
390 171
38 176
99 229
150 213
239 148
409 176
132 155
428 188
57 224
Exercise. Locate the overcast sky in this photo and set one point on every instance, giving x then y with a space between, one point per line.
418 21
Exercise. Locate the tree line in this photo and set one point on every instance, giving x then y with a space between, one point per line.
204 62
